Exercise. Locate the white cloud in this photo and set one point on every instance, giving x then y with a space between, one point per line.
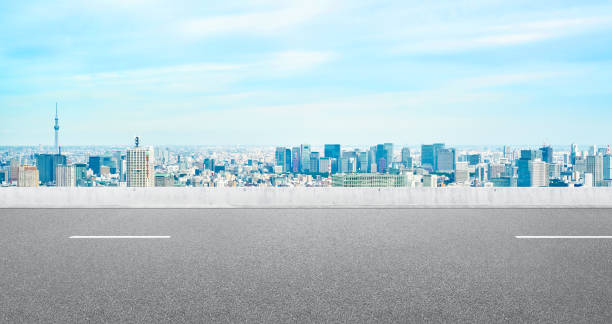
261 22
295 61
455 38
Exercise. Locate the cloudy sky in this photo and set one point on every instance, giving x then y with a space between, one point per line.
318 71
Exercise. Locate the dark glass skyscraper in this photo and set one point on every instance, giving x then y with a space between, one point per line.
95 162
46 165
333 151
547 154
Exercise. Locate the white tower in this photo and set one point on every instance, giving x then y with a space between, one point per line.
56 127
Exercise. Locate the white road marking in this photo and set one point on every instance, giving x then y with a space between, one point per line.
565 237
117 237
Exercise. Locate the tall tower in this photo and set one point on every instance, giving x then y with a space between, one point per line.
56 127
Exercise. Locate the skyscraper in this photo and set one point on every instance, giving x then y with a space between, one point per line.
56 128
282 157
595 166
95 162
305 158
429 155
406 157
47 165
573 153
140 166
445 160
332 151
382 156
547 154
295 159
532 171
66 176
389 149
607 166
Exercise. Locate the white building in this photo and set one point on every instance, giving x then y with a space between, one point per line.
65 175
539 173
430 181
27 176
140 166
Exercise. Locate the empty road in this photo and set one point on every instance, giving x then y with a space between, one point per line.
305 265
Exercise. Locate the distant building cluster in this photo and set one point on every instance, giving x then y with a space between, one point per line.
381 165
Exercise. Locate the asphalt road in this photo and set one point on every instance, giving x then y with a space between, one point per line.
305 265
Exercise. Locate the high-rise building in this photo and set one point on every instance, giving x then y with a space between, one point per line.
445 159
282 157
140 166
595 166
305 158
362 162
333 151
496 170
406 158
607 166
573 153
95 162
80 171
28 176
47 165
66 176
429 155
462 172
382 156
389 150
532 171
314 162
295 160
547 154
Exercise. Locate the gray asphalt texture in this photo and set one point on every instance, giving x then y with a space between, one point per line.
305 265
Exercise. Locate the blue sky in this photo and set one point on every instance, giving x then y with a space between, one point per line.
288 72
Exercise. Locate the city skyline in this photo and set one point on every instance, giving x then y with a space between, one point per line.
474 72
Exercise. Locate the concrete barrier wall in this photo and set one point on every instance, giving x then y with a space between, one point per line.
304 197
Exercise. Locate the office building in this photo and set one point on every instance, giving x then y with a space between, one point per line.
532 171
283 158
305 158
607 167
547 154
406 158
295 160
429 155
140 166
573 153
95 162
66 176
80 170
445 160
462 172
47 165
333 151
389 149
595 166
27 176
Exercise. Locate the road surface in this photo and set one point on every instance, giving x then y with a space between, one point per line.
305 265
